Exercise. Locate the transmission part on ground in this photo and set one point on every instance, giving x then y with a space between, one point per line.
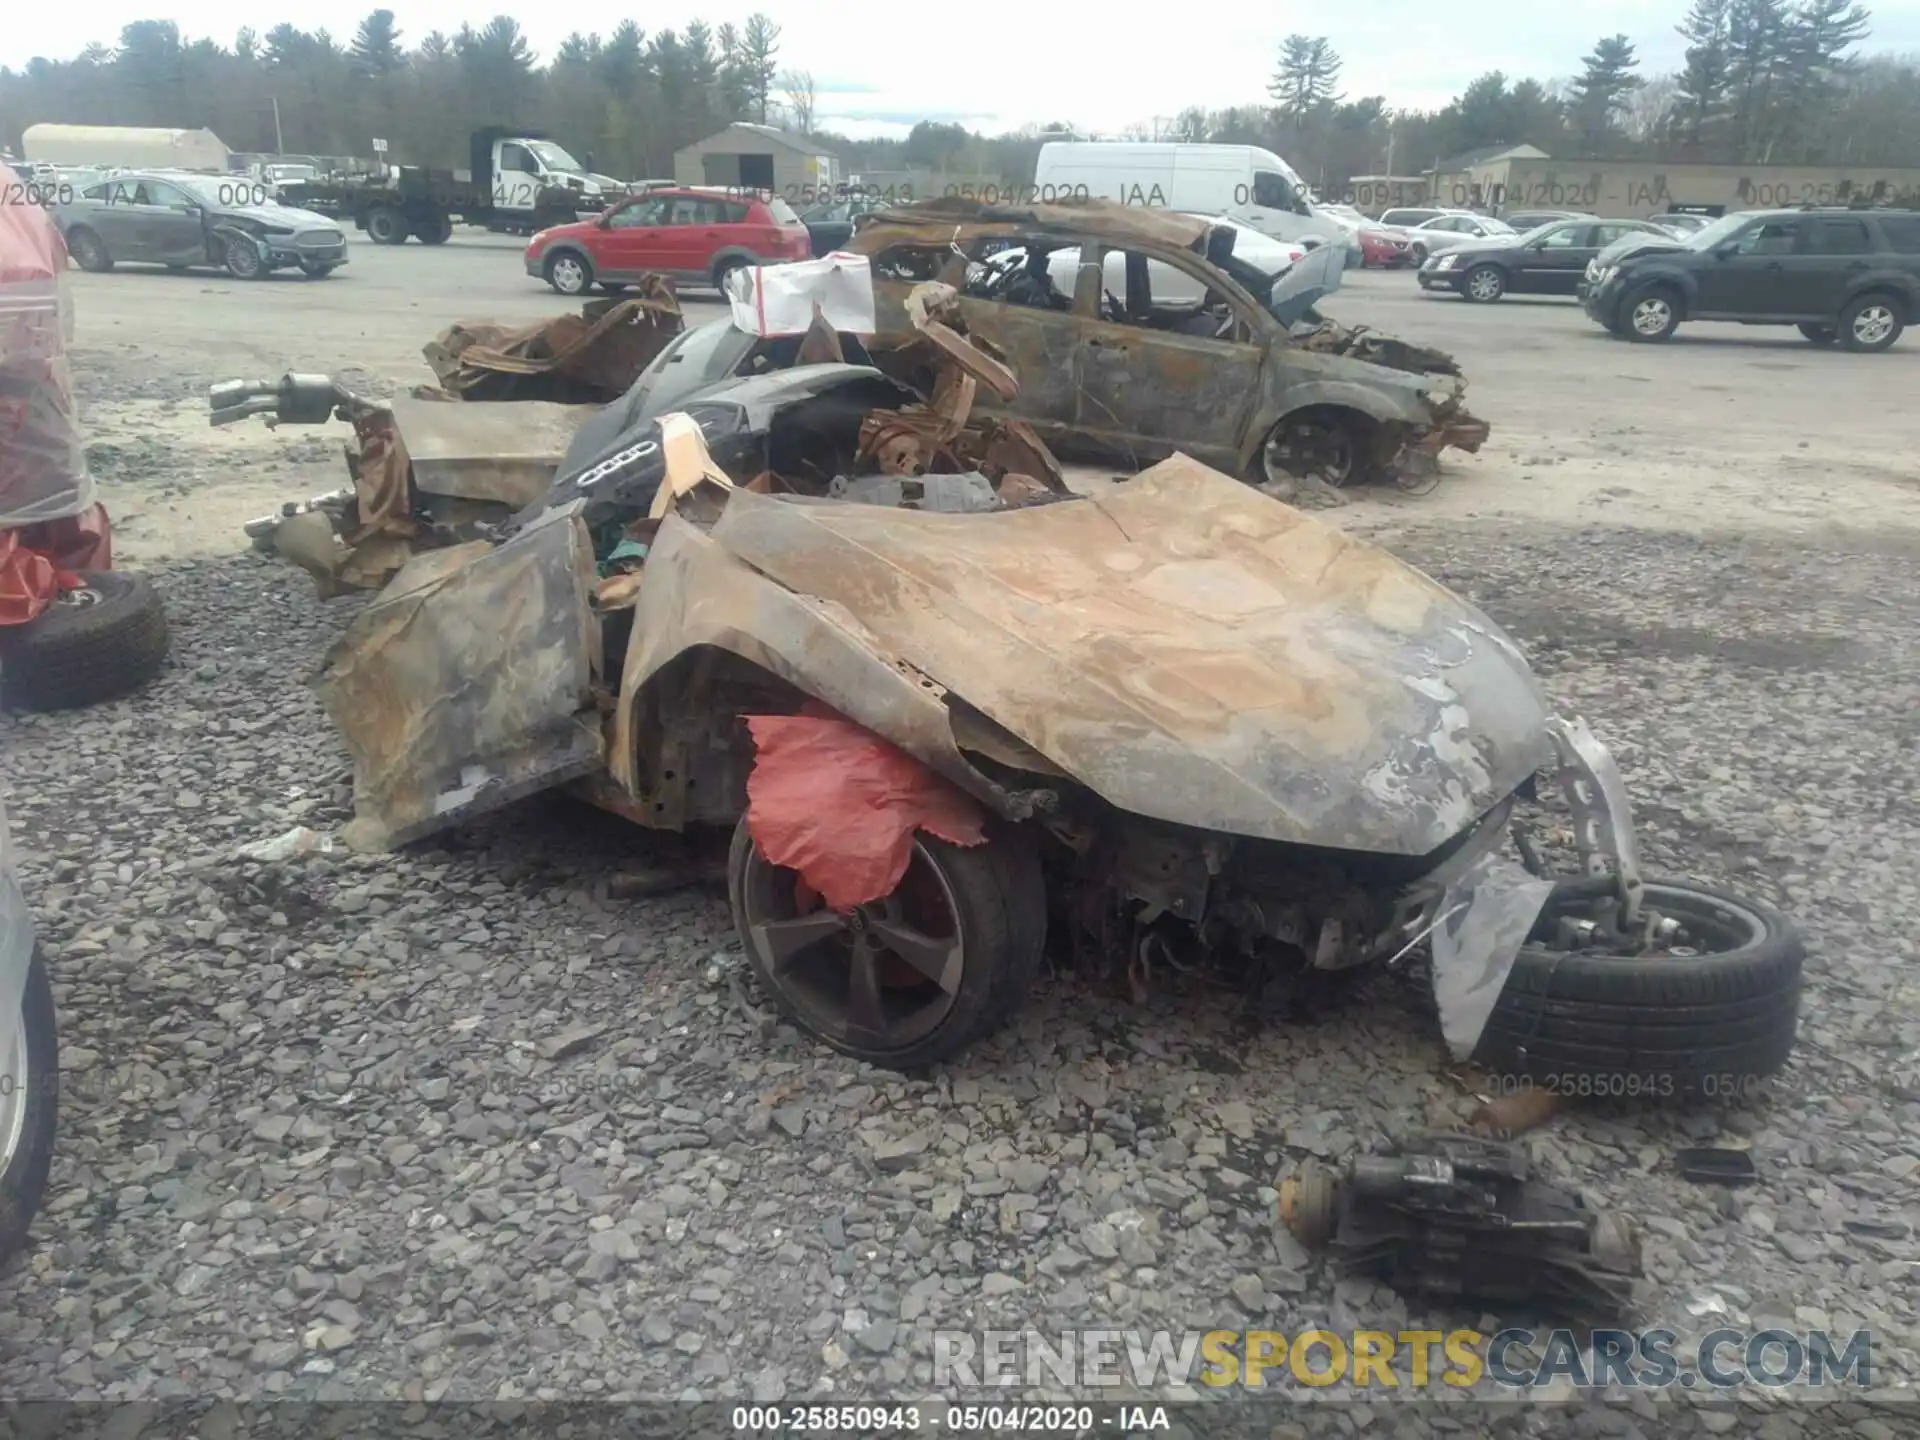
1458 1217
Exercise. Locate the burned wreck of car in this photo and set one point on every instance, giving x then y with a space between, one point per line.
1171 342
960 717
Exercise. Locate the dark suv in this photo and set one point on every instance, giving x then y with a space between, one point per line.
1846 275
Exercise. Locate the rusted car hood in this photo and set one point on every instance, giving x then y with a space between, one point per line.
1189 649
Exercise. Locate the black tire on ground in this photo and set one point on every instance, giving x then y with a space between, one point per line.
315 271
992 894
1871 323
1710 1025
569 272
83 652
434 230
613 287
386 226
1820 334
89 251
1650 316
723 270
24 1180
1484 284
1417 254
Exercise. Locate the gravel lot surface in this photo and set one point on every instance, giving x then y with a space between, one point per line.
460 1123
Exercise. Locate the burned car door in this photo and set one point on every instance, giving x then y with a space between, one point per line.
1041 343
1157 377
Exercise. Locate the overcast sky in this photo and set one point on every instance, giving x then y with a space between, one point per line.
879 67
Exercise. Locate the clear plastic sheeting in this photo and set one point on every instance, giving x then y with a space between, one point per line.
1485 917
43 467
783 299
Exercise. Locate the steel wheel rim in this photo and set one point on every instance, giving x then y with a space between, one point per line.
568 275
1872 324
1335 473
834 969
14 1086
1710 925
1651 315
78 597
1484 284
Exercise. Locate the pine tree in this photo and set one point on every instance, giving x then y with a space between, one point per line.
1609 75
1306 79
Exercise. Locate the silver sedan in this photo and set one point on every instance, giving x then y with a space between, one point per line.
182 220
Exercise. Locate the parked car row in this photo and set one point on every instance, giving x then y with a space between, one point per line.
1841 276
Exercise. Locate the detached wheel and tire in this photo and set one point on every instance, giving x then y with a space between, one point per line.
1484 284
89 251
1871 323
1708 1013
908 980
96 643
569 272
386 226
29 1106
1651 316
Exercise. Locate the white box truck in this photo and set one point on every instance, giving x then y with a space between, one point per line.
1242 182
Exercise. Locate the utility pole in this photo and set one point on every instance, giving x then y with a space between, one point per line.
279 145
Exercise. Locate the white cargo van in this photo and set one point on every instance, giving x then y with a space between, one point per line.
1242 182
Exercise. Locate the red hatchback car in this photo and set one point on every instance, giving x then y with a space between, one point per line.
689 235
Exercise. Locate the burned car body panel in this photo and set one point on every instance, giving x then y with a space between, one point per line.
1189 650
1096 378
462 686
498 451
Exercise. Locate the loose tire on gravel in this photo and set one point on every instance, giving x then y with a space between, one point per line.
977 914
106 641
1711 1024
29 1110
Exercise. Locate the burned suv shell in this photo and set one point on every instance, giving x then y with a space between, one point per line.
1104 374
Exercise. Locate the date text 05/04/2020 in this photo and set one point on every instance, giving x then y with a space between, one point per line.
1002 1419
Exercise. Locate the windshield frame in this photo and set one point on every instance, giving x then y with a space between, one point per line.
551 155
1717 231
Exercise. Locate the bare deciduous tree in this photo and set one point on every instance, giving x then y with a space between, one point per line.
797 86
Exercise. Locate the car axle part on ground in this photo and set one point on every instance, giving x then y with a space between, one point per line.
959 715
1459 1218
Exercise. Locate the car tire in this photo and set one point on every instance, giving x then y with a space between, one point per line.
435 230
104 641
89 251
725 269
569 272
992 895
1820 334
1326 445
1871 323
29 1111
1417 255
614 287
1484 284
386 226
316 272
1713 1024
243 262
1650 316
